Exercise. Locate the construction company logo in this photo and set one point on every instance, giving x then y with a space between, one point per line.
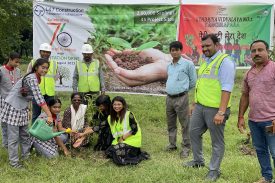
40 10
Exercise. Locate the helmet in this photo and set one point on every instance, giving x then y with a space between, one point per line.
86 48
45 47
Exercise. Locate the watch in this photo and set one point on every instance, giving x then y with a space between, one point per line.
220 113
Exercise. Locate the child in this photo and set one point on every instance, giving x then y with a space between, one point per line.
126 132
15 111
49 148
9 75
105 137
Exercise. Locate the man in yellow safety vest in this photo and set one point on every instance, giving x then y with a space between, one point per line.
88 77
212 104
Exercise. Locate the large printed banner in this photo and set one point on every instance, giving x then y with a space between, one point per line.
235 25
66 27
134 37
132 41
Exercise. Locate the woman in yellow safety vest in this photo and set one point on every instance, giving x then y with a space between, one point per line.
125 148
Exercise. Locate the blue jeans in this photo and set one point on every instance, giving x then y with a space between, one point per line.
264 144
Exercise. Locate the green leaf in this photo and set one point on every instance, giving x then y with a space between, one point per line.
119 42
150 44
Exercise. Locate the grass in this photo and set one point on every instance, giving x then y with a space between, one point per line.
162 167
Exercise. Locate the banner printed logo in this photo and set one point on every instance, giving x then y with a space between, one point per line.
39 10
63 38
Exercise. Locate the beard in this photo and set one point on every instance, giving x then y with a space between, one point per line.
87 59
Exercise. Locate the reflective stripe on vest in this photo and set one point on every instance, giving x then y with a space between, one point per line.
208 88
119 129
47 84
88 77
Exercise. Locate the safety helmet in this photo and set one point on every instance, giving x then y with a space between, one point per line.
86 48
45 47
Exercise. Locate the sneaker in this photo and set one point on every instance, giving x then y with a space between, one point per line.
193 164
213 175
184 153
171 148
263 180
17 166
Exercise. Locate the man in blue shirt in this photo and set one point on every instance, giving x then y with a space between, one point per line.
181 78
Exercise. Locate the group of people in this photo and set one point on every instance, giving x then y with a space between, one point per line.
211 108
119 132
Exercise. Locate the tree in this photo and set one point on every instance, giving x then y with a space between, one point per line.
64 74
15 27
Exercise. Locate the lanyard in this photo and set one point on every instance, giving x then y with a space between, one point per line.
11 75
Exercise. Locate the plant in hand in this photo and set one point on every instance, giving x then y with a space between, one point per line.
130 59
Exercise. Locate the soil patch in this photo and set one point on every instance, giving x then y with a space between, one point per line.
130 61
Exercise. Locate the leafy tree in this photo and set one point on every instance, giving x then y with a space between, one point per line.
64 74
15 27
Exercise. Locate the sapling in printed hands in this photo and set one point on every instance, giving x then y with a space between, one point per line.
153 68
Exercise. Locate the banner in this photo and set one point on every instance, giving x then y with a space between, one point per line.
66 27
236 26
132 41
135 38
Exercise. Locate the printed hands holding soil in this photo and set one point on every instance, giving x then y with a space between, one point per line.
153 65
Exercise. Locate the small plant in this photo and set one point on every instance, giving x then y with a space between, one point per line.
119 43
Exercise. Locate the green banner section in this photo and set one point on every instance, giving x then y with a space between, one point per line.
137 24
136 40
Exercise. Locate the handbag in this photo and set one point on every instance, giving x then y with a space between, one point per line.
24 90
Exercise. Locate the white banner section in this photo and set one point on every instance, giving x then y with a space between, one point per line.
66 27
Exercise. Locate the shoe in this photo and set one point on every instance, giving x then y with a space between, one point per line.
193 164
213 175
184 153
17 166
263 180
171 148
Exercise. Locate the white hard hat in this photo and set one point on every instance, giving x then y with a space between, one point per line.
86 48
45 47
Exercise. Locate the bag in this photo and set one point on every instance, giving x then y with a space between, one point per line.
24 90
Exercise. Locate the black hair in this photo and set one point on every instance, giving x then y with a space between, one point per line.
105 101
76 94
175 44
260 41
53 101
213 37
39 62
14 55
122 113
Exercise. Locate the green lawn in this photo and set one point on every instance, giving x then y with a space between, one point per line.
162 167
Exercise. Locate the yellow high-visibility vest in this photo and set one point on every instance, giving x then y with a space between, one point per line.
119 129
208 87
88 79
